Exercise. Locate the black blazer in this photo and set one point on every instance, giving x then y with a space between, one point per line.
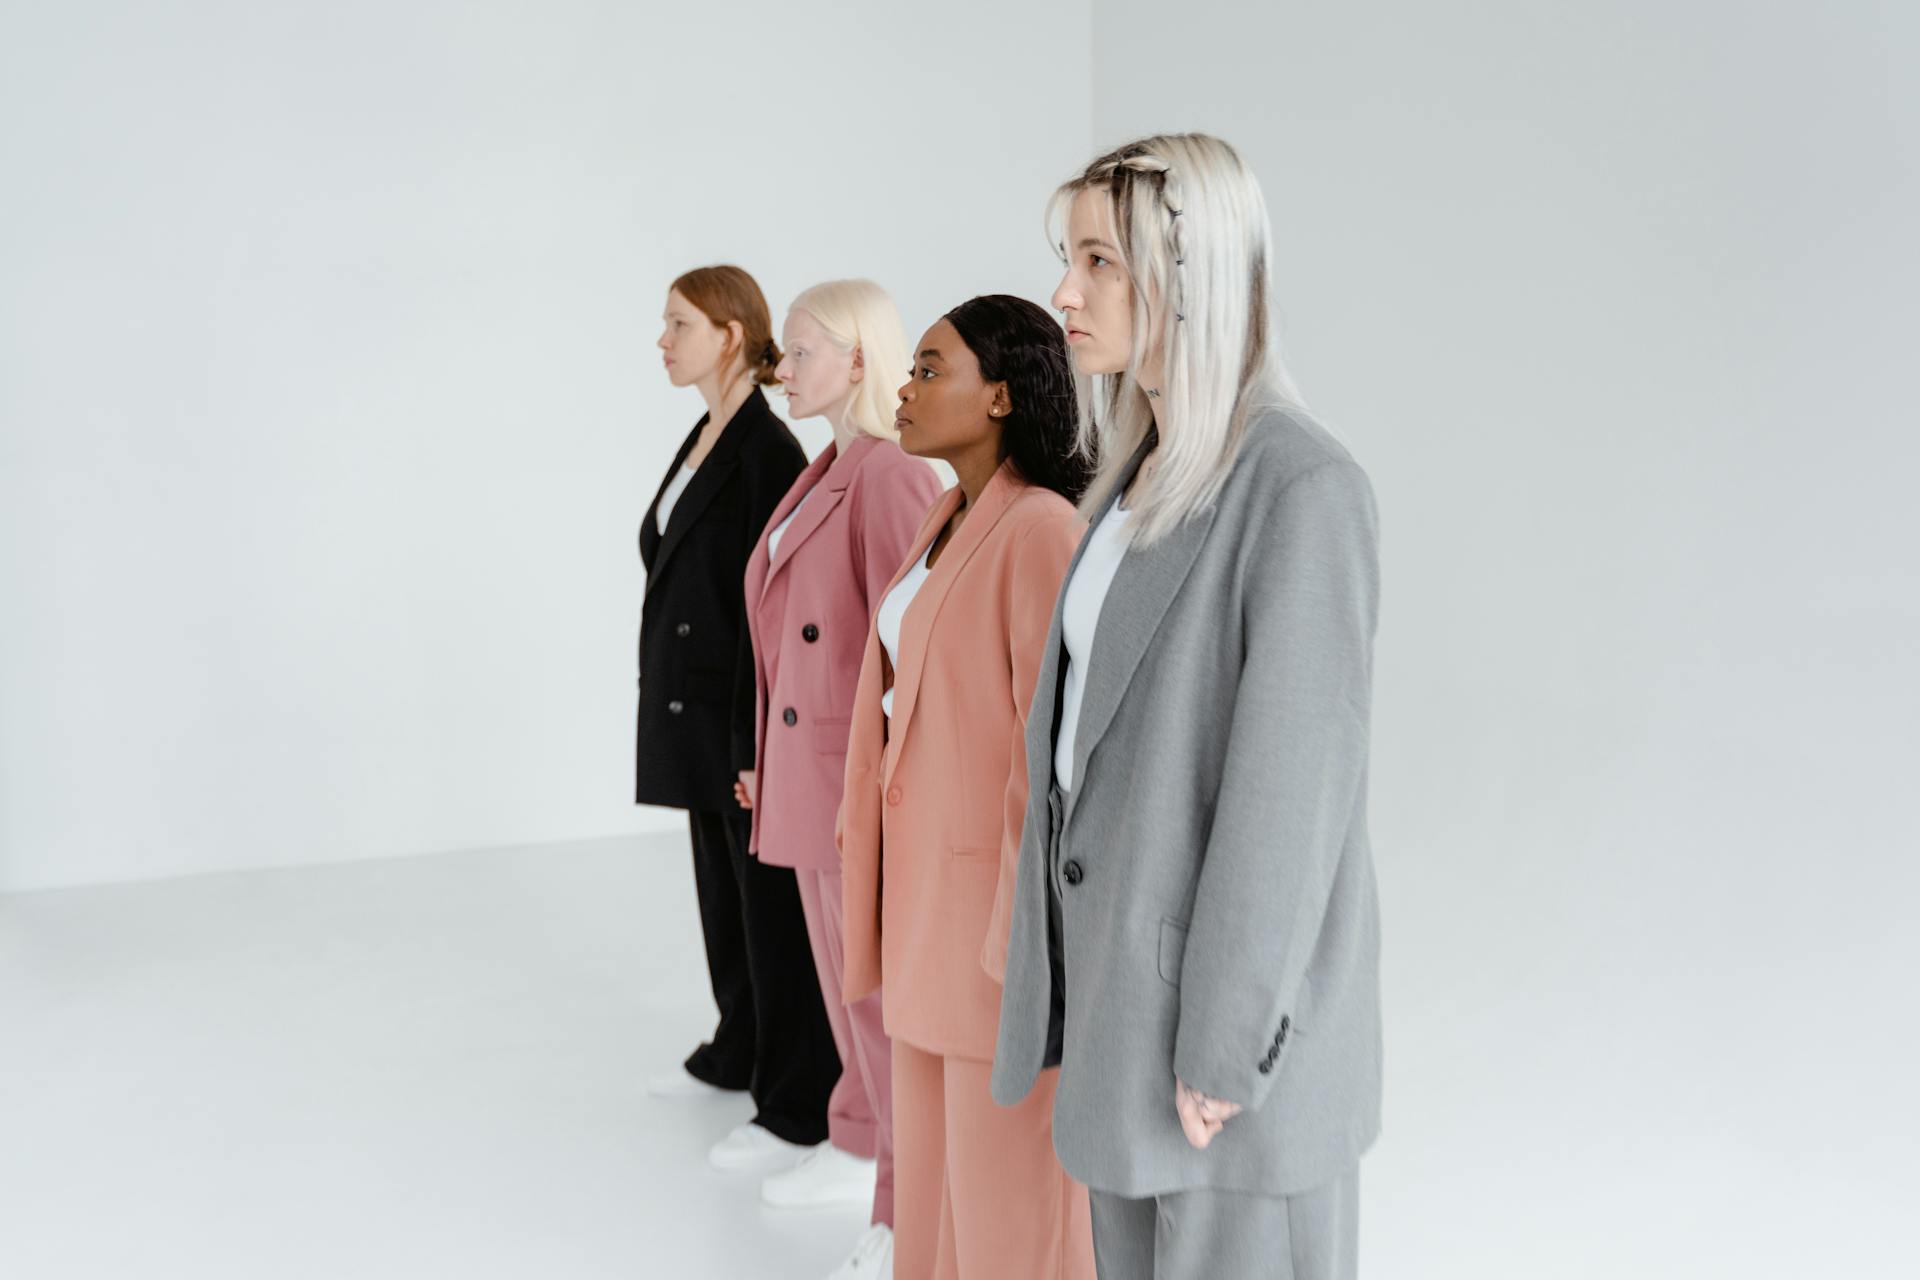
696 658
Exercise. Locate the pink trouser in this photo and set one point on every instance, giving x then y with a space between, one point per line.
860 1112
982 1195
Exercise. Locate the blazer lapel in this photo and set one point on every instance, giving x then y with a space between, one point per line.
1143 588
754 582
1042 729
649 527
916 629
759 571
829 487
708 478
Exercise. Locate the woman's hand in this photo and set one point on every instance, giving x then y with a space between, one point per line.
1200 1116
743 789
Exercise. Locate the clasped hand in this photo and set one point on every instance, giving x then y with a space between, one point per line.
1201 1116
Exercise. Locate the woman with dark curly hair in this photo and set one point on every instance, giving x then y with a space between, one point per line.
937 791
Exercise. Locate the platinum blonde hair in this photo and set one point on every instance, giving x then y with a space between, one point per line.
858 315
1195 238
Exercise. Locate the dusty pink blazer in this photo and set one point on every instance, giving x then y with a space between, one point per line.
808 614
930 825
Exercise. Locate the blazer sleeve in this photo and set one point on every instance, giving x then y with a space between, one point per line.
890 513
1296 755
767 473
1038 567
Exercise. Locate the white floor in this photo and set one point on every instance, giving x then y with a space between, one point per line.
419 1068
432 1067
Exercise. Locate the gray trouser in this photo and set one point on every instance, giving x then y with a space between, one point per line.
1230 1235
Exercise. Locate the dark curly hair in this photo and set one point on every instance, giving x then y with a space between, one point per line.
1021 345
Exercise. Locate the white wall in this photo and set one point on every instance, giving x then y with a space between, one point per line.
1616 302
328 408
328 401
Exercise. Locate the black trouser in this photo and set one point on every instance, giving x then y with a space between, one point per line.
773 1037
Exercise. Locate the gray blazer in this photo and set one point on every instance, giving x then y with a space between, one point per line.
1210 877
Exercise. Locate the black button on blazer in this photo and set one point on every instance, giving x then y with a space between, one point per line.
695 728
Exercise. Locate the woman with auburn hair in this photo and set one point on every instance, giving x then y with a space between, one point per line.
696 723
832 546
936 792
1196 934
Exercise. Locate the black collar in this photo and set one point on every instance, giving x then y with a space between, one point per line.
754 409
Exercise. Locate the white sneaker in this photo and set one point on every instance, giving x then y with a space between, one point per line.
682 1083
871 1259
825 1176
752 1149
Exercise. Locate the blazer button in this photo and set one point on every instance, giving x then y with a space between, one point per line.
684 629
809 633
893 795
791 716
676 707
1073 872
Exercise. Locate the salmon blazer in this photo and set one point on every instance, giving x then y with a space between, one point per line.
931 821
809 610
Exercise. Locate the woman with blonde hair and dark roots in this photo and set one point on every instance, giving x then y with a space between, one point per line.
1195 937
696 724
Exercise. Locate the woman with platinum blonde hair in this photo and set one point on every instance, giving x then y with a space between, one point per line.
830 548
1196 931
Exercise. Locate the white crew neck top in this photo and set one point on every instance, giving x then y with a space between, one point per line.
675 487
780 530
1079 619
893 611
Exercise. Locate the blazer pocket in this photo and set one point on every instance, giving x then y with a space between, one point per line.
1173 949
976 855
830 736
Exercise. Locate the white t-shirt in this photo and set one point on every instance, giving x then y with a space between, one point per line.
893 611
779 530
1079 618
675 487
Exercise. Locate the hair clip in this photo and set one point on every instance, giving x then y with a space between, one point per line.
1178 316
1174 212
1179 262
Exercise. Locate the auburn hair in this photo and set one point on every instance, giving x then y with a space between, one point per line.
726 294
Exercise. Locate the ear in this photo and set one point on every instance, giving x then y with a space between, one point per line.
1001 404
859 369
736 340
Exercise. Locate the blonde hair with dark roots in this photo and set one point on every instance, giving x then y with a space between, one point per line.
1195 240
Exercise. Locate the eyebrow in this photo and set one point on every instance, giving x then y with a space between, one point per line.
1091 243
930 351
